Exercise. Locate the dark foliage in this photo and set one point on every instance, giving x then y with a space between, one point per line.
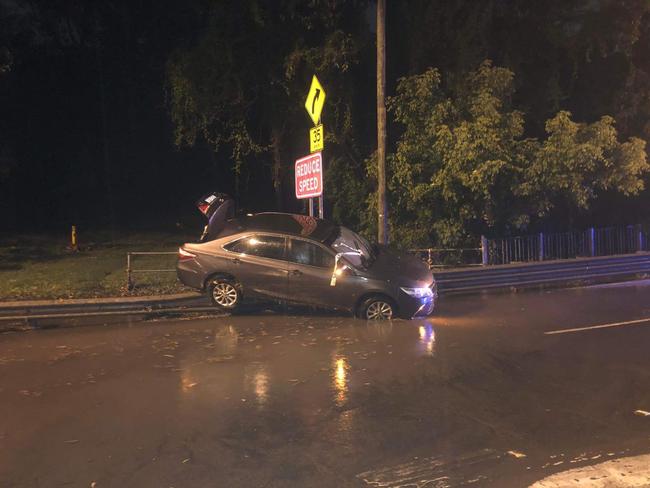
120 113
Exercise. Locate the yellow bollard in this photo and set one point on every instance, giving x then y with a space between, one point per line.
73 238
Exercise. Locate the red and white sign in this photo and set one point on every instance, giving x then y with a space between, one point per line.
309 176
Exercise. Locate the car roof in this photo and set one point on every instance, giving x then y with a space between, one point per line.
283 223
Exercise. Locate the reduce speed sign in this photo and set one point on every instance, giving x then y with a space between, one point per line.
309 176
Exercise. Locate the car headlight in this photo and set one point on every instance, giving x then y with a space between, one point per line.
418 292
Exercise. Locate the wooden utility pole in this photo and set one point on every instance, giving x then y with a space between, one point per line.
382 210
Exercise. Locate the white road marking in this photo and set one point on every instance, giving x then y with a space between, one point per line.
593 327
629 472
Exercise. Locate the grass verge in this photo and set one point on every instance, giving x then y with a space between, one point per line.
42 267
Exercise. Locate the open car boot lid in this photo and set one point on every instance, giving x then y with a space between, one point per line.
218 208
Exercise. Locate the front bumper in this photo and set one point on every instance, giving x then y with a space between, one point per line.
416 307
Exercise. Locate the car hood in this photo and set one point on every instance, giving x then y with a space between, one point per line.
400 268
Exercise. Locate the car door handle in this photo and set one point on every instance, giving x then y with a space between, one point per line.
236 261
295 272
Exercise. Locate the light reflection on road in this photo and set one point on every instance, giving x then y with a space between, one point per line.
340 380
187 381
427 339
256 378
380 329
221 369
225 339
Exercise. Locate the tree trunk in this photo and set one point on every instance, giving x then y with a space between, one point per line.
276 169
382 210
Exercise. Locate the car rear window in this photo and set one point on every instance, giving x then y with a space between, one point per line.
305 252
263 246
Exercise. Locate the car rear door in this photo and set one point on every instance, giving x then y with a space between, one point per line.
258 262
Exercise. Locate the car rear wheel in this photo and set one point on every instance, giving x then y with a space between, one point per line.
377 308
224 293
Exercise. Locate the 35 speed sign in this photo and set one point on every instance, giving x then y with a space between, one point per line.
316 139
309 176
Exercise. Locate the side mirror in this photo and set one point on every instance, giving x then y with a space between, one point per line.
337 271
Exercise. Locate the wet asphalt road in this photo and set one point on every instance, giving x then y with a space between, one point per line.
476 395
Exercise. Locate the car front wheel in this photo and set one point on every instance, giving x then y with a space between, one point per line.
224 294
377 308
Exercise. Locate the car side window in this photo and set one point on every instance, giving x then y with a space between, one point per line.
304 252
263 246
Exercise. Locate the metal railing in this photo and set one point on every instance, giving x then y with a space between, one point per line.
449 257
130 282
592 242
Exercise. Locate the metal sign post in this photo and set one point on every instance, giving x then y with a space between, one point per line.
314 106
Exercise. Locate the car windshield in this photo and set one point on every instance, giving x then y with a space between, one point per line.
350 242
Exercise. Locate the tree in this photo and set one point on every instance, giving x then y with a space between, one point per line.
589 57
462 165
241 85
577 161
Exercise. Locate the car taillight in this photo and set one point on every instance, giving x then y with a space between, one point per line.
184 255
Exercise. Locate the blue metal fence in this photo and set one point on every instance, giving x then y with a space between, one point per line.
592 242
607 241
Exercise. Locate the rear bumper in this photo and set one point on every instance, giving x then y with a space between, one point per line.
188 275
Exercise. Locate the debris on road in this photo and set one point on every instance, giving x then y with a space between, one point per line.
517 454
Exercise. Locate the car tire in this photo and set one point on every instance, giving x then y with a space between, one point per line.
225 294
377 307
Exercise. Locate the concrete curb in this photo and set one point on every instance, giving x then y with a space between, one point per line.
21 316
102 304
24 323
98 302
29 315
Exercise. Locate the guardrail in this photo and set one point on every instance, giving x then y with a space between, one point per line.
130 283
578 270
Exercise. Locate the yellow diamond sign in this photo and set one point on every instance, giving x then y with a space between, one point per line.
315 100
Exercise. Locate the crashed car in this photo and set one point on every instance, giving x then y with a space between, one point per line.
304 260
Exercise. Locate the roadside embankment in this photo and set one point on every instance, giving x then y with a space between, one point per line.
35 267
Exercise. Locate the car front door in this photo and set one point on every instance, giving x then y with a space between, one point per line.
310 267
258 262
